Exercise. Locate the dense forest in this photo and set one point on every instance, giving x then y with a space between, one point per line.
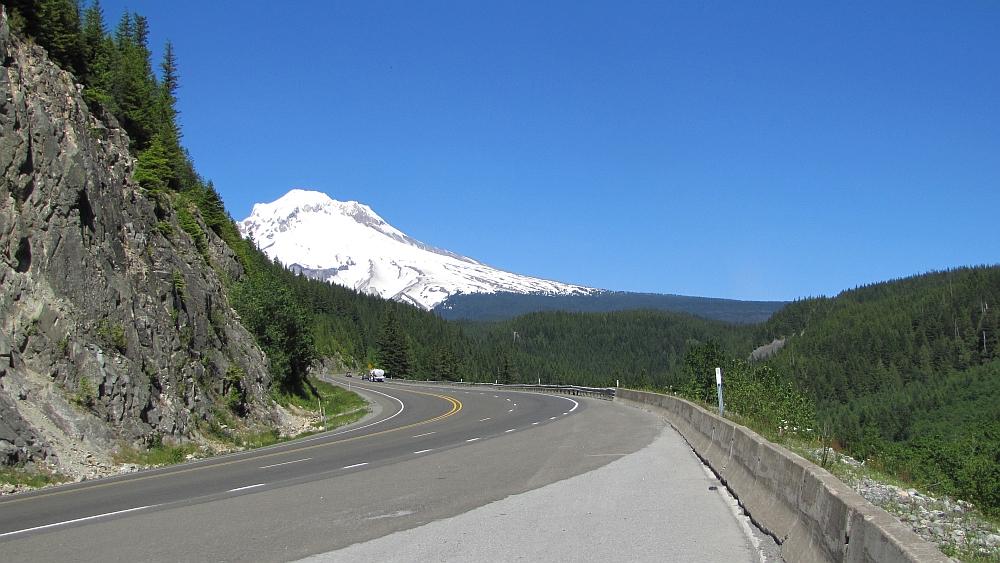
640 348
907 372
504 305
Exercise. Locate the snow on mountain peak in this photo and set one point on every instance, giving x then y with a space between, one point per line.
349 244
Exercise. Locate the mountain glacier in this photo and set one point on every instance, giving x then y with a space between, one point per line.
349 244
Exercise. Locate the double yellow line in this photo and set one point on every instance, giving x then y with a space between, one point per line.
456 406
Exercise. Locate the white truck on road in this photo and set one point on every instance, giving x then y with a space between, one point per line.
377 375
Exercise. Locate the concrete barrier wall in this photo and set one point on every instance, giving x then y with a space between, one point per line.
812 514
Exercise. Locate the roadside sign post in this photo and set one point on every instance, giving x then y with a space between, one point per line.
718 383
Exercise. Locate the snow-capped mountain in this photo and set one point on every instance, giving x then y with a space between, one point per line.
349 244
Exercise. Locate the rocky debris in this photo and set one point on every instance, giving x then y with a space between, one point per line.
766 350
112 330
952 525
294 421
7 489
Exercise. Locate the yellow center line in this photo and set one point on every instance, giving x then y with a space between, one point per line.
456 406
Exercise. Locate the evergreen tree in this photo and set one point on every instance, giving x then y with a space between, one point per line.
281 326
213 211
99 49
55 24
505 372
394 347
153 170
445 365
699 368
166 120
132 92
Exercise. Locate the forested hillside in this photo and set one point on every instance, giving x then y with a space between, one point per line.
907 372
504 305
641 348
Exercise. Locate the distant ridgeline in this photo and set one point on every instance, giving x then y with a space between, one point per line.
501 306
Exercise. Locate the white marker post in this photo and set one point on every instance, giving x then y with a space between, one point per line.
718 383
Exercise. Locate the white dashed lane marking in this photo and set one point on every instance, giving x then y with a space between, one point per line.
286 463
247 487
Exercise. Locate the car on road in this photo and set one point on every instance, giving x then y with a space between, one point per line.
349 374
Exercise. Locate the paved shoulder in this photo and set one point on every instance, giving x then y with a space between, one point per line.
652 505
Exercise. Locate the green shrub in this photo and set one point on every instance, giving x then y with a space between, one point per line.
179 284
165 229
190 225
86 392
112 334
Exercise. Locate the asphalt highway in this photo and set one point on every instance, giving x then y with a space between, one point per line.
413 421
429 452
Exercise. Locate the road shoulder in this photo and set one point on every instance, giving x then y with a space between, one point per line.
651 505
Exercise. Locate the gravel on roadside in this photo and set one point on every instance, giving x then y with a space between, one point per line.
955 526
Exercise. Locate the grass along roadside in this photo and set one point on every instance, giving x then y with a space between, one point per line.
224 433
231 433
15 479
321 394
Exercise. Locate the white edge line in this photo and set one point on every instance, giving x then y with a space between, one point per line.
422 452
575 404
245 488
472 439
427 434
329 434
286 463
68 522
485 419
355 465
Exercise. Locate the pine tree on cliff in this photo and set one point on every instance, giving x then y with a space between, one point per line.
167 128
134 85
99 50
55 25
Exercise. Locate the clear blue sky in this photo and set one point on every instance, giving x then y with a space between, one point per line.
750 150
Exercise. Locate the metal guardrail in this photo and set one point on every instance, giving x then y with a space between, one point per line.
606 393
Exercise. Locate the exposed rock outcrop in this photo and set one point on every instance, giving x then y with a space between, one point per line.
111 331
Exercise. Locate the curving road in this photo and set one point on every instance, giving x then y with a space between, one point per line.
412 422
431 453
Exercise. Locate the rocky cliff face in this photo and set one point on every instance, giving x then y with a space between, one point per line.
112 331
